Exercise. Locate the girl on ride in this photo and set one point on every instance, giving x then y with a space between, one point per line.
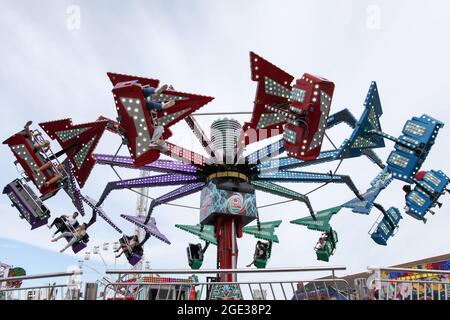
130 244
77 235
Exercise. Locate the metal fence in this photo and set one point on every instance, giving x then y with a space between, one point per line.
281 284
295 288
44 292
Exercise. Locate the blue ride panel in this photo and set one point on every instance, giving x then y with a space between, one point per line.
272 150
418 204
419 134
426 193
387 226
286 163
370 120
381 181
437 180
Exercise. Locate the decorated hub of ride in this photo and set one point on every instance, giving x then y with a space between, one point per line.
295 113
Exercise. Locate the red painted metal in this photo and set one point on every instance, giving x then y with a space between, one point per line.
303 122
130 87
185 155
18 139
75 144
116 78
260 69
226 237
313 114
133 90
420 175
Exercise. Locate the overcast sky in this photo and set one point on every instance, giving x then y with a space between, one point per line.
53 66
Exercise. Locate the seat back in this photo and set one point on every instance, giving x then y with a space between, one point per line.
78 246
195 255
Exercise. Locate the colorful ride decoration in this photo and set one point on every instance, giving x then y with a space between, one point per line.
7 271
226 292
296 114
419 287
184 288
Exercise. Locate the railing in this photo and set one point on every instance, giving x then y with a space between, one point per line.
405 289
361 291
44 292
291 289
288 285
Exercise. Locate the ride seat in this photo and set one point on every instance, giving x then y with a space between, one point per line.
195 255
135 255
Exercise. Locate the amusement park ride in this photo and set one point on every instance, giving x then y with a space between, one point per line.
297 112
7 271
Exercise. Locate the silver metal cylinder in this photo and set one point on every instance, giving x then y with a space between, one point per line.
224 136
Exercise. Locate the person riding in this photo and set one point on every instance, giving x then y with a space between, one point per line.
56 178
151 95
260 251
129 245
37 146
321 243
72 221
77 235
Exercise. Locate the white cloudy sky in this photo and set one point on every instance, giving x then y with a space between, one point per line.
50 72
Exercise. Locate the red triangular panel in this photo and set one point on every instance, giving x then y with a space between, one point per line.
116 78
262 69
80 140
135 119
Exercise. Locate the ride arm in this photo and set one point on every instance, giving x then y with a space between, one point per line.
206 247
383 211
283 192
265 153
309 177
164 166
146 182
201 135
147 236
181 192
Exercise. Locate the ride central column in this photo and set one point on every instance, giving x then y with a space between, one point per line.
227 232
228 200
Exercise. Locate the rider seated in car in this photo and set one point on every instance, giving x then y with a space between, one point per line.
129 245
321 243
37 146
58 175
76 236
150 95
260 251
72 221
